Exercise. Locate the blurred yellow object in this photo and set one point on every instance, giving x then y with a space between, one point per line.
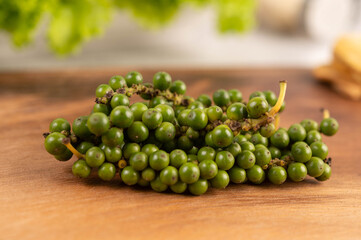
347 52
344 71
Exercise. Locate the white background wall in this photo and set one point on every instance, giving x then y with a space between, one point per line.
191 40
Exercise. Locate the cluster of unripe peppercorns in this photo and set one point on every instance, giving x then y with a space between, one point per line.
173 141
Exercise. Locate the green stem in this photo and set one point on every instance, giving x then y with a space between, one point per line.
140 89
269 117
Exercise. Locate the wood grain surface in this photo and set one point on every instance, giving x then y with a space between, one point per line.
41 199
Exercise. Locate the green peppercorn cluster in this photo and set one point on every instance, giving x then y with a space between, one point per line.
173 141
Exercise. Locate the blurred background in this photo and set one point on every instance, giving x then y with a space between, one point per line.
42 34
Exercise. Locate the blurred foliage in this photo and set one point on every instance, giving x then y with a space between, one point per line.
70 23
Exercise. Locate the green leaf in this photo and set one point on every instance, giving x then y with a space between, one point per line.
77 21
236 15
74 22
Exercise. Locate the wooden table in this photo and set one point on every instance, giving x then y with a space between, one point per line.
40 198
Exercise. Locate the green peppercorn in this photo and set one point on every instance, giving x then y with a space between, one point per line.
301 152
319 149
183 117
263 156
117 82
277 175
178 87
247 146
313 136
329 126
297 171
129 149
239 139
221 98
297 133
257 138
152 118
156 101
106 171
58 125
270 97
122 117
129 176
54 143
205 100
102 89
137 132
179 187
280 139
221 180
133 78
94 157
103 108
65 156
149 149
80 127
235 95
246 159
197 119
326 173
113 137
196 105
177 158
112 154
208 169
185 143
162 80
189 173
256 174
234 149
81 169
199 187
237 175
257 106
119 100
275 152
157 185
257 94
159 160
315 167
237 111
148 174
165 132
225 160
167 112
138 161
222 136
309 125
268 130
138 109
214 113
169 175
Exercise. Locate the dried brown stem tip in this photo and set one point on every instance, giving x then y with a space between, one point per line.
46 134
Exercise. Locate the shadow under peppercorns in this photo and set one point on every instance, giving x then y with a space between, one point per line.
93 180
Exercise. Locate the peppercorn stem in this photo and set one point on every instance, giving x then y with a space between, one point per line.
140 89
277 121
326 114
281 97
269 116
66 142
